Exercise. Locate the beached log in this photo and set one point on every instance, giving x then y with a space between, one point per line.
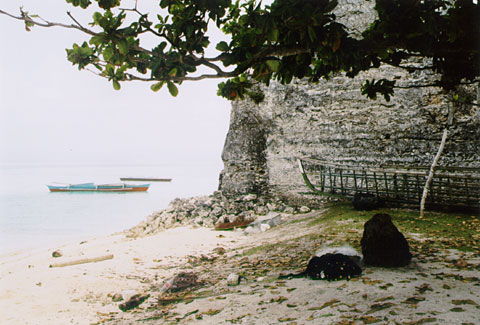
83 261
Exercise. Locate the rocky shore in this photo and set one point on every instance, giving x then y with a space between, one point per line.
211 211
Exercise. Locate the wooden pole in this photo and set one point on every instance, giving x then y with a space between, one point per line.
432 171
83 261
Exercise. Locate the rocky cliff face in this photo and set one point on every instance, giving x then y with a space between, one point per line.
331 120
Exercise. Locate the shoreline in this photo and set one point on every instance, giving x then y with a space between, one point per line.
431 289
79 294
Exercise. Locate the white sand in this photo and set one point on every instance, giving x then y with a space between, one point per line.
33 293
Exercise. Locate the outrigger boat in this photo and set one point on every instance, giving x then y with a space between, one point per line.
450 187
91 187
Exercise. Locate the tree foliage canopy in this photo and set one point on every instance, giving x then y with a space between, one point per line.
281 41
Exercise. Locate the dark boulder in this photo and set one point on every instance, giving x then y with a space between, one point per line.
365 201
383 244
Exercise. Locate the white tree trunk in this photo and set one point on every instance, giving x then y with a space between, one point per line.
432 171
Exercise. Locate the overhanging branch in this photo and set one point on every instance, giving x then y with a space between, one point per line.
45 23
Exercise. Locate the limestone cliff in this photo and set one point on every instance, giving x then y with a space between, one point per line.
331 120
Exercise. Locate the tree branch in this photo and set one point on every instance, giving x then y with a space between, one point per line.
28 19
213 66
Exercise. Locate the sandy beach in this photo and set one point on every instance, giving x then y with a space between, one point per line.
433 289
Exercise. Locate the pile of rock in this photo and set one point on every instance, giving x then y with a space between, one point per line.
210 211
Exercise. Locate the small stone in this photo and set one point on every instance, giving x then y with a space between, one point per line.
57 253
264 227
260 210
289 210
233 279
249 197
219 250
304 209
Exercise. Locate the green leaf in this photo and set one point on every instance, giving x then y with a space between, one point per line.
96 17
273 65
222 46
311 34
273 35
156 87
123 46
82 3
108 53
96 40
173 72
108 4
172 88
116 85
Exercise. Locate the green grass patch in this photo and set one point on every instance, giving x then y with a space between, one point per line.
456 230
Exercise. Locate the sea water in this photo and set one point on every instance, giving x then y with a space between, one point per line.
31 216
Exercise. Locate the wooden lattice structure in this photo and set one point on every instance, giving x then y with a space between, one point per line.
450 187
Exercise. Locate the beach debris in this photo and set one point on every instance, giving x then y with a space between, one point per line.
413 300
464 302
57 253
332 263
117 297
262 224
83 261
133 302
383 244
235 221
181 281
329 303
380 306
423 288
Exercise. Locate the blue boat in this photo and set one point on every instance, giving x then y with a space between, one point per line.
91 187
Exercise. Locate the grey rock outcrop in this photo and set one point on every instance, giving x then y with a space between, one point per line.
210 211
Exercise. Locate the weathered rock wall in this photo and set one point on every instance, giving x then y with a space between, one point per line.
331 120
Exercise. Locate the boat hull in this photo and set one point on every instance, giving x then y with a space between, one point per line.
90 187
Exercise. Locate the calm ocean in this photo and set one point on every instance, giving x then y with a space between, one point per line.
31 216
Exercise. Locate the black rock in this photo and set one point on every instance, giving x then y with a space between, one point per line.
365 201
383 244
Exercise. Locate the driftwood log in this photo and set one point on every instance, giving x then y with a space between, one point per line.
83 261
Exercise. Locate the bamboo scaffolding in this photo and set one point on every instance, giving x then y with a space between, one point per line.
452 186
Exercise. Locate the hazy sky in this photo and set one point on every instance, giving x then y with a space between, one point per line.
51 112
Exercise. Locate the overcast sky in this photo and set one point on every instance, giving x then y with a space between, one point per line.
51 112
